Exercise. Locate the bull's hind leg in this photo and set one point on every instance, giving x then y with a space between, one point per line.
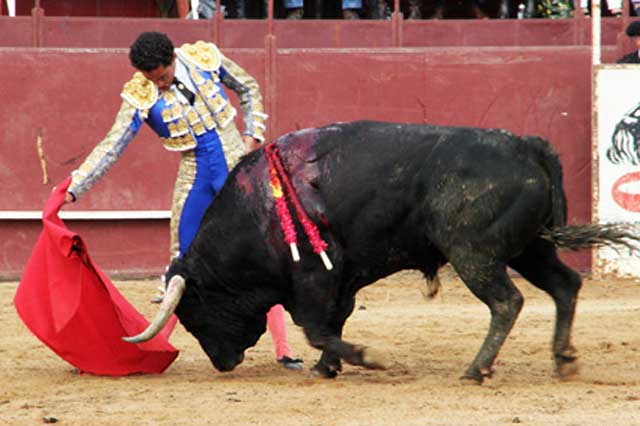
491 284
540 265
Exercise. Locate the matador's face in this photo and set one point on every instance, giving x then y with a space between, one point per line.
162 76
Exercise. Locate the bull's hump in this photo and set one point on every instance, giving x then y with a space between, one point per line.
310 133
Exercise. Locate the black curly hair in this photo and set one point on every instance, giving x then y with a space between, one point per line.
150 50
633 30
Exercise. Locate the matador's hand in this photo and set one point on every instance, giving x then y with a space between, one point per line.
69 198
251 143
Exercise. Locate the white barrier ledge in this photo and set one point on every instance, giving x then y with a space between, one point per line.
88 214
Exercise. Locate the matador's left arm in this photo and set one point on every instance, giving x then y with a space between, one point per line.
238 80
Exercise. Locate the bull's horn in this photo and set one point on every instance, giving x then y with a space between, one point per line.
171 299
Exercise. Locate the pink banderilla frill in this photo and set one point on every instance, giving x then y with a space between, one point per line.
286 223
276 168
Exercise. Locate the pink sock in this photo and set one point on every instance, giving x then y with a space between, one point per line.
275 324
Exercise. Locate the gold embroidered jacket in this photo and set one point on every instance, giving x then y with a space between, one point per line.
175 120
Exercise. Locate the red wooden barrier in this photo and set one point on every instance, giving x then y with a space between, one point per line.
62 77
71 95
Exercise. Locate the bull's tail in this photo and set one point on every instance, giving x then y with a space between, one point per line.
576 237
549 160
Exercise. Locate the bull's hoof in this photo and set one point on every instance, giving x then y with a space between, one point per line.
476 376
567 370
324 371
373 359
471 380
567 365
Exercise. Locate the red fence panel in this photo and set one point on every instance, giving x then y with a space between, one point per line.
70 96
64 31
16 31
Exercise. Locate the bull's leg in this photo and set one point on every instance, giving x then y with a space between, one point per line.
321 309
328 338
330 364
540 265
491 284
334 348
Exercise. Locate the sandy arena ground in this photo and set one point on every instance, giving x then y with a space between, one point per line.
428 343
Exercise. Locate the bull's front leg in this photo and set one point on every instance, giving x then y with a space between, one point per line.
322 316
330 363
335 349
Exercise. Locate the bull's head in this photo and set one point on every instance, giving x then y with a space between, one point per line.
223 328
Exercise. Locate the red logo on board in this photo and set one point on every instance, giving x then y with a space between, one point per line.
626 192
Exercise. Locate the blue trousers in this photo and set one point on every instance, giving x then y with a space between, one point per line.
210 173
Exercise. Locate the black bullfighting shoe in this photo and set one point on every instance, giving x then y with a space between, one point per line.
291 363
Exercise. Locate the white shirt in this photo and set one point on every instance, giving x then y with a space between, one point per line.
182 74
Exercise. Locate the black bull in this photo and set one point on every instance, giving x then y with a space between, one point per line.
385 197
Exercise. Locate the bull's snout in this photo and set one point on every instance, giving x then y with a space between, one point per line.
227 364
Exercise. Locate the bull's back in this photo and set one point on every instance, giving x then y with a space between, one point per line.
399 190
419 163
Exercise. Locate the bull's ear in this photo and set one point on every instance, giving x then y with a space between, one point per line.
175 290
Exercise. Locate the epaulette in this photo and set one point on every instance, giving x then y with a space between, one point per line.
205 56
140 92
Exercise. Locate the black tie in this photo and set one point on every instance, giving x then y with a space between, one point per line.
183 89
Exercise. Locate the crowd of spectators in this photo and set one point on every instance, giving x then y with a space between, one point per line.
413 9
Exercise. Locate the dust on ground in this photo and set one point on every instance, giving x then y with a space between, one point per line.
428 345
